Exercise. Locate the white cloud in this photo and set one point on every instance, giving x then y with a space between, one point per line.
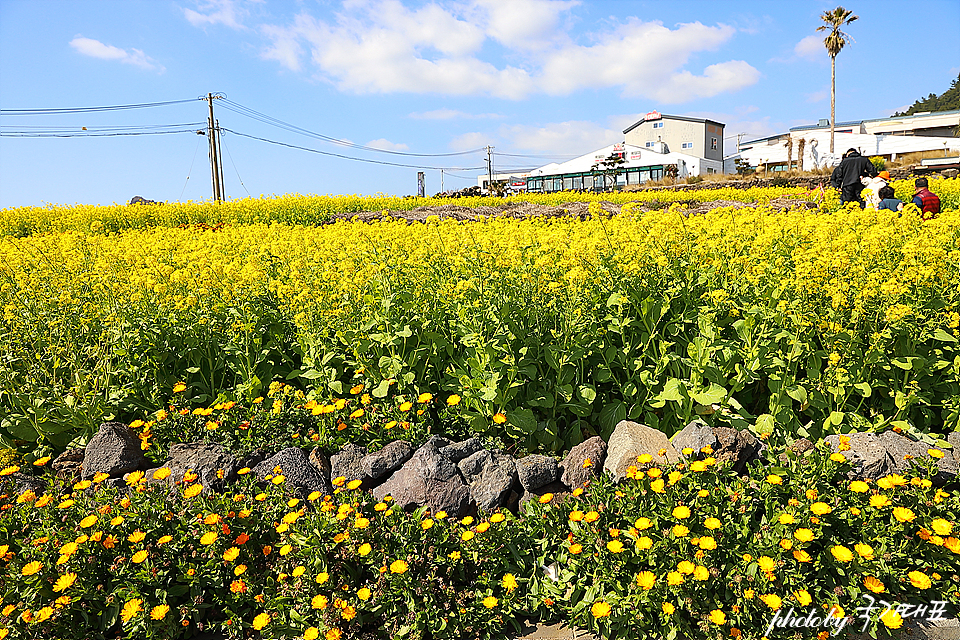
717 78
97 49
810 48
386 145
382 46
817 96
574 138
523 24
451 114
226 12
472 140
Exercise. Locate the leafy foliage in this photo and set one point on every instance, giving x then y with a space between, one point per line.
949 100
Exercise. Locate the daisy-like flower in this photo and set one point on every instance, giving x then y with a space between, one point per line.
262 620
398 567
159 612
64 582
131 609
600 609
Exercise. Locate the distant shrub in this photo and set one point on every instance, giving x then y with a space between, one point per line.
878 162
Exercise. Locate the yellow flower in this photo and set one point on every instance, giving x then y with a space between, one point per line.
509 582
364 593
180 386
858 486
136 536
490 602
767 564
261 621
139 556
646 580
159 612
64 582
903 514
774 479
398 566
681 512
164 539
707 543
838 457
600 609
701 573
88 522
208 538
614 546
772 600
31 568
801 556
803 597
919 579
680 531
192 491
891 619
285 549
453 400
231 554
499 418
820 508
668 608
643 542
545 498
841 553
424 398
712 523
718 617
674 578
319 602
865 551
497 518
933 453
365 549
803 534
942 527
467 536
786 518
878 501
131 608
873 584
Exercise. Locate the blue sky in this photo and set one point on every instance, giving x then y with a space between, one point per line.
539 80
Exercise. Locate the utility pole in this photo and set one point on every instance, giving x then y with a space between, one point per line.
215 173
441 180
489 169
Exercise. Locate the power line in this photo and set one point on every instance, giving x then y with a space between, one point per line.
261 117
46 131
338 155
118 107
92 135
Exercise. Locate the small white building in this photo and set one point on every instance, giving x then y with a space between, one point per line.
808 147
640 164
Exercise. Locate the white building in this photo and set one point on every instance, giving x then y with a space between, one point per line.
693 136
640 164
808 147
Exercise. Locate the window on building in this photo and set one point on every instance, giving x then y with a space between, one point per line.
658 125
578 183
649 144
687 145
713 144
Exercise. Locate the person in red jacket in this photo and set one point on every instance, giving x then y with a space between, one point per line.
926 200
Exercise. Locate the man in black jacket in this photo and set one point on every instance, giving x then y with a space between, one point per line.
846 177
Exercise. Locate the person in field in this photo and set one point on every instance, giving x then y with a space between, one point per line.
888 200
927 201
872 186
846 177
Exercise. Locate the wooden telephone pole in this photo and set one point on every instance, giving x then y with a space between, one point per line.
213 138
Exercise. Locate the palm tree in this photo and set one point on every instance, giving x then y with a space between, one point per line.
834 42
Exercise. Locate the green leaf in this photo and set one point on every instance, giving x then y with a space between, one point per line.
943 336
796 392
864 388
672 391
523 419
713 394
765 424
587 392
381 390
611 414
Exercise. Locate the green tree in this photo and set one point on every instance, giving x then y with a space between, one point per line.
608 168
835 41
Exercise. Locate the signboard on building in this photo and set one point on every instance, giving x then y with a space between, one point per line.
618 147
653 115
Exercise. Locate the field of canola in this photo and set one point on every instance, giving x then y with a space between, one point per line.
802 322
537 331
